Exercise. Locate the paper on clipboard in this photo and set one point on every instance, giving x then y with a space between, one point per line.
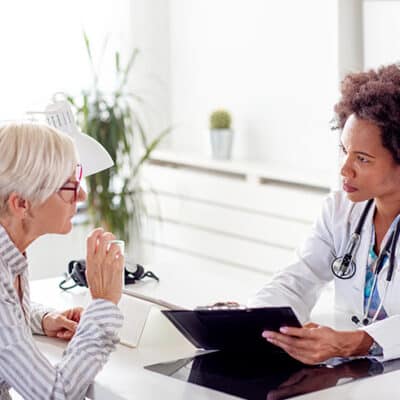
135 314
136 308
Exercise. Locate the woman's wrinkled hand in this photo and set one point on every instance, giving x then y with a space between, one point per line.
104 266
62 324
313 343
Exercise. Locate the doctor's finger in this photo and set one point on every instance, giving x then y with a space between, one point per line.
311 331
305 356
309 325
297 344
308 355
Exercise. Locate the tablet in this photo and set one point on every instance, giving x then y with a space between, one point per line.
231 329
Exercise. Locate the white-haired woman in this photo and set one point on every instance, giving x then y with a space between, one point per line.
39 189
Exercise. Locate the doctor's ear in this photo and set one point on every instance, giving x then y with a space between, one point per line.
17 206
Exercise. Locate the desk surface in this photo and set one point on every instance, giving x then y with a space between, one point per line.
124 377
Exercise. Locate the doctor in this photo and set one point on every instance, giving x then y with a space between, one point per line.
355 239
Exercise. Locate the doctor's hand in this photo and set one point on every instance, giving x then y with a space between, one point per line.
313 343
104 266
62 325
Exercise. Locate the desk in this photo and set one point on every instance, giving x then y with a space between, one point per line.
124 377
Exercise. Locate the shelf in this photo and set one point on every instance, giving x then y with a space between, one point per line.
258 173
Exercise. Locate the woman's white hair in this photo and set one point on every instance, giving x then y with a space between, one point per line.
35 161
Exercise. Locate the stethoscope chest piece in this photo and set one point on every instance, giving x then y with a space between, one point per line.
343 267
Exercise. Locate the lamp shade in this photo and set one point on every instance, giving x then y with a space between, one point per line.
93 156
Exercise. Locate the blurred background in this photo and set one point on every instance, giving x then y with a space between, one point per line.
274 65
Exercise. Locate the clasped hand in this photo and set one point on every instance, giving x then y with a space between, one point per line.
62 324
313 344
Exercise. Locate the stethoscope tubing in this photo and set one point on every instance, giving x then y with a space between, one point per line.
345 268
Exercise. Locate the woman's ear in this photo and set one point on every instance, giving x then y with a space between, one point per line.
17 206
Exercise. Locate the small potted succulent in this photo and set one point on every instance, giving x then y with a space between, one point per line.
221 135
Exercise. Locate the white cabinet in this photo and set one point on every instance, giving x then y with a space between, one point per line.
239 215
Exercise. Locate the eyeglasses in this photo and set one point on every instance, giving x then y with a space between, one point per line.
72 186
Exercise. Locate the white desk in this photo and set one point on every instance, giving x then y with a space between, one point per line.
124 377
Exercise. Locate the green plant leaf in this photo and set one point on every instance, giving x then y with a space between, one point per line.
117 63
89 53
128 68
150 149
116 120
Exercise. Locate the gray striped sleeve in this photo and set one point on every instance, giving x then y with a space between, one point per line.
25 369
38 311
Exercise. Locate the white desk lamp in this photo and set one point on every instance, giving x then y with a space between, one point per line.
93 156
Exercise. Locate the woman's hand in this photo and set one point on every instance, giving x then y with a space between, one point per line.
313 344
104 266
62 325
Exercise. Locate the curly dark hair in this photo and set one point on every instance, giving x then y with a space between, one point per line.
374 96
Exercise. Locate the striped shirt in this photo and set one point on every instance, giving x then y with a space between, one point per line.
22 366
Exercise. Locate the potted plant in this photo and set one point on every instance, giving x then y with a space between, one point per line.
115 195
221 134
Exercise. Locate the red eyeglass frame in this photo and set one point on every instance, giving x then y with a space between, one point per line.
77 183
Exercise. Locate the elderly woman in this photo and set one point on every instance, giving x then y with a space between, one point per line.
355 242
39 189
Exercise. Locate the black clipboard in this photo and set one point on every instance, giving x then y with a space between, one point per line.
231 329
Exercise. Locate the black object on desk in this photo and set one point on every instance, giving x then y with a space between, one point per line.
273 377
236 329
245 364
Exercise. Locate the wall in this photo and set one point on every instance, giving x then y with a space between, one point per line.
49 255
149 32
381 32
43 51
275 65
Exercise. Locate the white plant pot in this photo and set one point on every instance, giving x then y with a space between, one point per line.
221 143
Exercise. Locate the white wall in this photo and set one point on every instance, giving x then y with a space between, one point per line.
50 254
274 64
150 33
42 48
381 32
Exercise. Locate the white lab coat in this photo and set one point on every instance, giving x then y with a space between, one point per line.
300 284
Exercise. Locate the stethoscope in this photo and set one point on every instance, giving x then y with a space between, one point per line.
344 267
